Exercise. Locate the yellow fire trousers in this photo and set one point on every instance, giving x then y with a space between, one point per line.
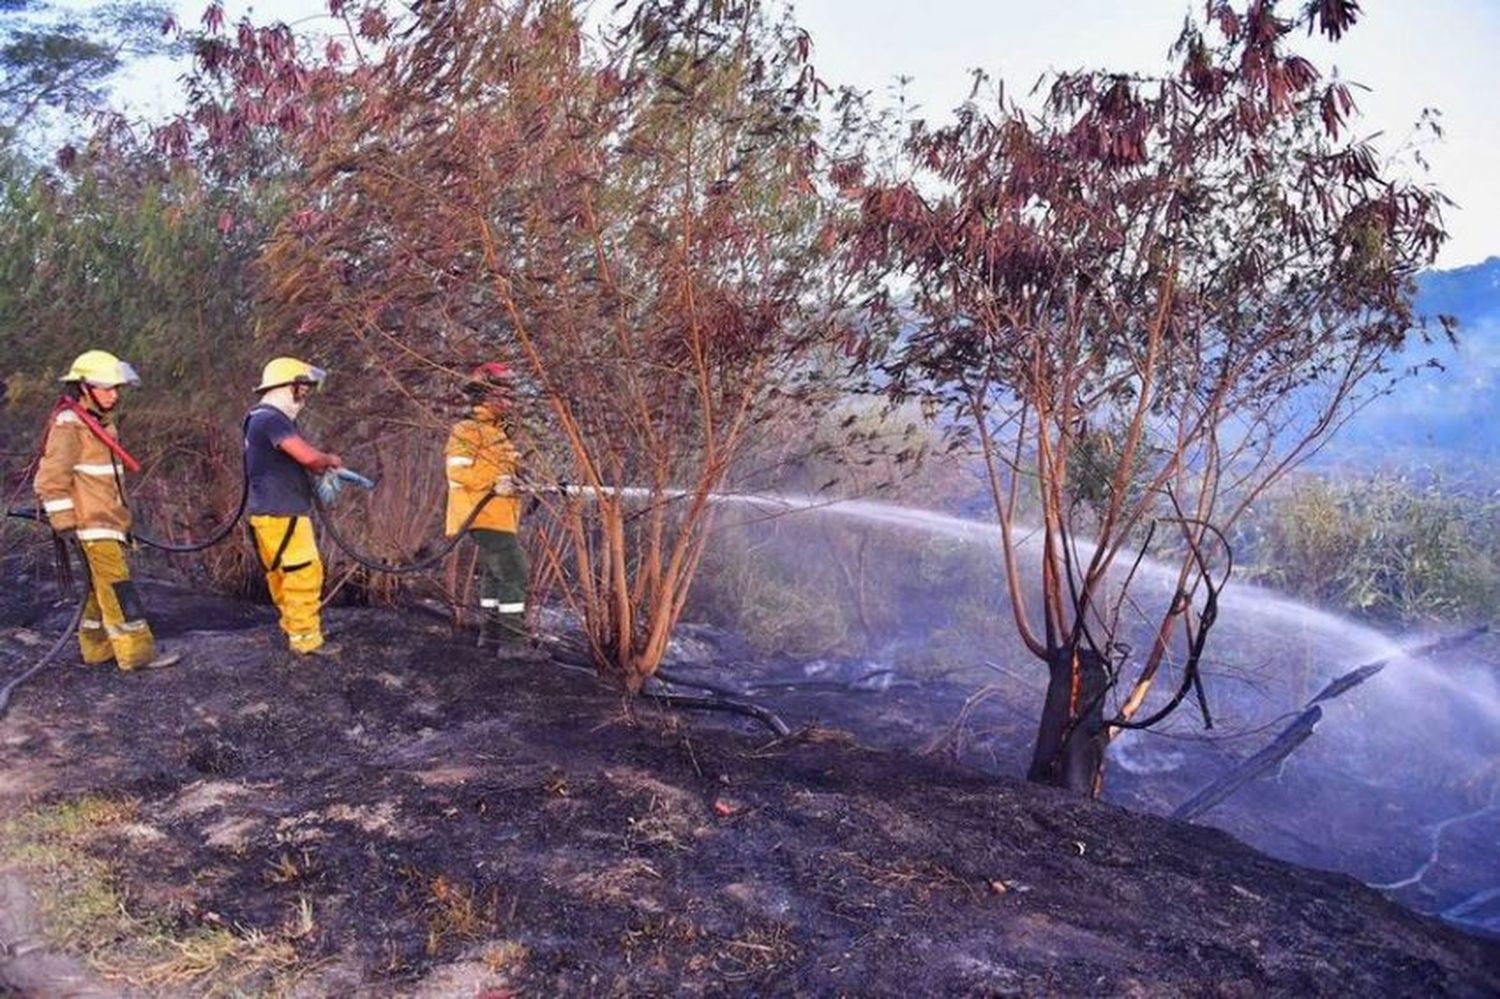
113 625
294 574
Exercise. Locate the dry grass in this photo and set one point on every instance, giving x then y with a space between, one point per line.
810 735
756 952
652 934
658 827
455 913
505 957
919 879
210 961
86 910
620 883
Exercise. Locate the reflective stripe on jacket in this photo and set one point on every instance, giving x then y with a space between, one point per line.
477 454
79 483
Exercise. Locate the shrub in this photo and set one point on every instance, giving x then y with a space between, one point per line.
1386 547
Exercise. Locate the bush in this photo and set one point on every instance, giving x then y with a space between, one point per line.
1386 548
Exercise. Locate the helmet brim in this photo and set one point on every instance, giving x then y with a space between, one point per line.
125 374
312 376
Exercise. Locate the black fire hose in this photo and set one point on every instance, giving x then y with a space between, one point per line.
57 646
374 564
217 535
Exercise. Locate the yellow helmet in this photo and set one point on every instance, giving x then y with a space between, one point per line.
101 369
289 371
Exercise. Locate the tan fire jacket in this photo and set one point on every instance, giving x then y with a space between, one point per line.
80 483
478 453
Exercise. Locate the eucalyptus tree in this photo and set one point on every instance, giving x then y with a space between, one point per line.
1146 300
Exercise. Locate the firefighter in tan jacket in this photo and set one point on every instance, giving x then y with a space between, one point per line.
80 486
482 462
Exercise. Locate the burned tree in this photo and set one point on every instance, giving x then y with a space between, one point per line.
1145 302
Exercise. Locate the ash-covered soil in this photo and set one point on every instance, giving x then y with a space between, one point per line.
462 825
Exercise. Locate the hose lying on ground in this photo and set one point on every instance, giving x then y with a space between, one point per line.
57 646
714 698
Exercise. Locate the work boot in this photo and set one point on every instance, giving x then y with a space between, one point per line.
161 660
488 637
292 657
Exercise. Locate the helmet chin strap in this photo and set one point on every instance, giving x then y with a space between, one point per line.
88 391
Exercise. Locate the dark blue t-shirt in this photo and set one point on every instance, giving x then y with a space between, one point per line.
278 485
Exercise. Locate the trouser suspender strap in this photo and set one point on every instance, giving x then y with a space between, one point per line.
286 539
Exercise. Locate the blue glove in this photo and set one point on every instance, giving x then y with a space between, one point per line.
328 486
332 481
354 478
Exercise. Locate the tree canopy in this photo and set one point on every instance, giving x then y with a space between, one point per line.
1145 301
61 60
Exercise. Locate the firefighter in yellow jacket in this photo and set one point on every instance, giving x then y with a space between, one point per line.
280 465
481 461
80 484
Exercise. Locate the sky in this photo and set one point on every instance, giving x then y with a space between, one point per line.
1411 54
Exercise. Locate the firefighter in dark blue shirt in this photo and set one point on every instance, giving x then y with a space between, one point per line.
281 465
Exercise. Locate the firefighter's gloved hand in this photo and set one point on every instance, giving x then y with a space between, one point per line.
354 478
505 485
328 486
331 482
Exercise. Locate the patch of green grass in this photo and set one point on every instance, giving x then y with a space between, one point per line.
84 910
75 891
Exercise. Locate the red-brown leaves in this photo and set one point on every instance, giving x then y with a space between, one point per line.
1162 262
1332 17
374 25
1334 107
637 226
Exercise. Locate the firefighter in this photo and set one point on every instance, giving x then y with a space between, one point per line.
482 461
281 464
80 486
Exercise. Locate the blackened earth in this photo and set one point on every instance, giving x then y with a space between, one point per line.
620 847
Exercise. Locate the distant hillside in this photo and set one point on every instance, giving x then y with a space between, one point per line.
1441 416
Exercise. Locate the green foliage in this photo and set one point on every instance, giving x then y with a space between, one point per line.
61 59
1385 548
778 606
124 257
156 266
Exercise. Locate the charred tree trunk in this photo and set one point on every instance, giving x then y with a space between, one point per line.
1070 740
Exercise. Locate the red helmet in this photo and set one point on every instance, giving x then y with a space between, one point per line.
491 371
